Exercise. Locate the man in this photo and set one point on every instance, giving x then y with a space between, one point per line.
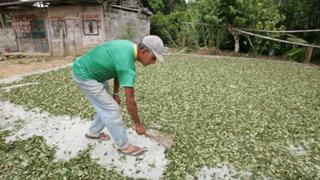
115 59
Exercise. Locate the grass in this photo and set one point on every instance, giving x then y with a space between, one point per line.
240 112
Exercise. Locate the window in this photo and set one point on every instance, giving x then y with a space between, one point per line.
90 27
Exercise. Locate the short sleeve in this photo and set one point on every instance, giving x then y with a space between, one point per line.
127 78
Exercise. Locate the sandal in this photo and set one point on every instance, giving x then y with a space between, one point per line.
132 150
102 136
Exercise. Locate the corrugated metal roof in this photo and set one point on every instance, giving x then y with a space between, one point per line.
56 2
20 4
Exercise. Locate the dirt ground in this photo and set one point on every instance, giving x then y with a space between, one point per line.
15 66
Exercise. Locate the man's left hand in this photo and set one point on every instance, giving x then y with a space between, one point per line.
140 129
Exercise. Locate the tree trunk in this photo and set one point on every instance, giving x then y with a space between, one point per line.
236 43
308 55
183 41
236 39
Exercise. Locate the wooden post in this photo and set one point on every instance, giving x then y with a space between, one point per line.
308 55
62 49
1 21
19 36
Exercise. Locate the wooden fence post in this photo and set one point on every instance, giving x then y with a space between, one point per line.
62 46
308 55
1 21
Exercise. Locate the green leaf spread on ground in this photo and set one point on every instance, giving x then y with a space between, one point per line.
241 112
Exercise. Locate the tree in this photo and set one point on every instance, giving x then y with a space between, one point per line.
209 23
163 6
301 14
254 14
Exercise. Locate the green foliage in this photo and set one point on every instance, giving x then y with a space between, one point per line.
258 15
296 53
241 112
204 23
296 39
167 27
156 5
300 14
163 6
190 33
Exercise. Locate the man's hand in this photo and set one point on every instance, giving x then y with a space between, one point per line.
117 98
140 129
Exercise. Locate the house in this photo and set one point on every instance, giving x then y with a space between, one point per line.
69 27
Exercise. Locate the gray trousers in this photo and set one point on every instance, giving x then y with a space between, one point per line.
107 109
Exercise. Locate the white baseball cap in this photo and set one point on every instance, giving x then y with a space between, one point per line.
155 44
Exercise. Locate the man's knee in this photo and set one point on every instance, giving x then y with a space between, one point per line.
113 118
96 91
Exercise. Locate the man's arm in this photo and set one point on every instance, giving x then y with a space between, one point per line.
116 86
133 109
116 90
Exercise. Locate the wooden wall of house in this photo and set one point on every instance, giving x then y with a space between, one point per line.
74 29
29 29
70 30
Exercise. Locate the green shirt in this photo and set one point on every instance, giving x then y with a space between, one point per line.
106 61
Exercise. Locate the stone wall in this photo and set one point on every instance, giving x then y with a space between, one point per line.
130 3
125 3
126 25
